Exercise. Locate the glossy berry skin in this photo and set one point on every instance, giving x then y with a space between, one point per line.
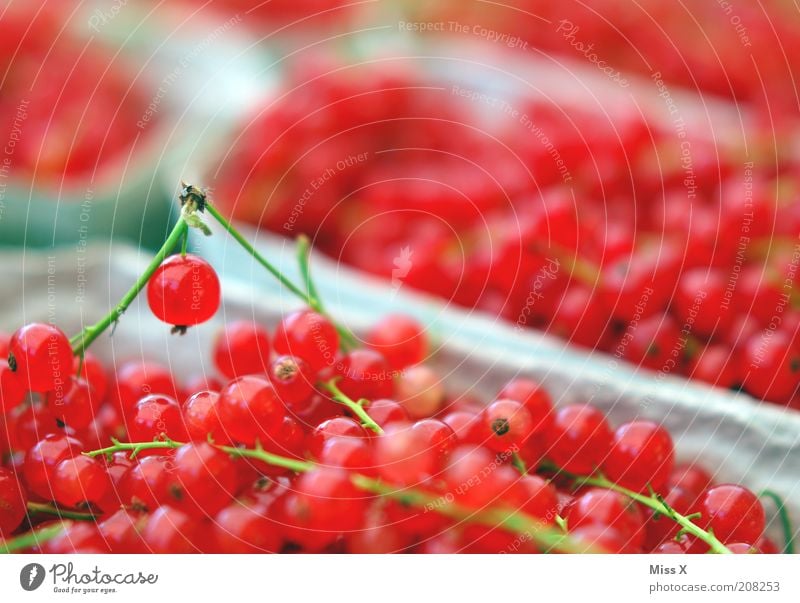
535 398
202 481
184 291
201 414
474 478
642 453
347 453
365 375
309 336
292 378
41 355
386 411
400 340
75 405
598 538
136 379
770 367
404 456
611 509
41 462
733 512
169 530
80 479
338 427
579 439
538 498
467 426
690 477
420 390
241 528
144 485
249 408
242 348
506 425
121 531
440 436
12 502
12 389
153 416
92 371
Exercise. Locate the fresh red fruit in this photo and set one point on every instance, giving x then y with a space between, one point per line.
642 455
660 528
347 453
12 502
365 375
733 512
579 439
506 425
700 301
690 477
121 532
41 461
202 480
309 336
440 436
241 528
385 411
474 477
201 382
404 455
292 378
249 408
535 398
609 509
75 405
467 426
420 390
169 530
154 416
144 485
337 427
400 340
77 537
242 348
184 291
538 498
137 379
201 414
42 357
80 479
12 388
770 367
92 371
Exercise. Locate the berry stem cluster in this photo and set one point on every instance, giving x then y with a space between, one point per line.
355 406
32 539
46 509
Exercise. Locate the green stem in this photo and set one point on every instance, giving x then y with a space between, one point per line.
84 339
546 537
786 522
65 514
311 302
32 538
356 408
657 504
518 463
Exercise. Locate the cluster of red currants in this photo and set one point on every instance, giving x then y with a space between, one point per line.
306 445
595 231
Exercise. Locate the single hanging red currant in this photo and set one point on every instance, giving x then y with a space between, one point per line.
41 355
184 291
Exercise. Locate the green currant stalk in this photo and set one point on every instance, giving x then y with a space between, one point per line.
32 538
65 514
84 339
356 407
659 505
786 522
548 538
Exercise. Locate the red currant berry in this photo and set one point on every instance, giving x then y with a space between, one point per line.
690 477
535 398
242 348
201 414
642 454
400 340
771 366
611 510
75 406
292 378
385 411
202 480
241 528
31 424
475 478
169 530
733 512
440 436
598 538
41 461
347 453
12 502
506 425
41 355
154 416
579 439
420 391
184 291
80 479
309 336
365 375
77 537
201 383
404 455
468 426
249 408
12 389
92 371
333 428
144 485
660 528
121 531
137 379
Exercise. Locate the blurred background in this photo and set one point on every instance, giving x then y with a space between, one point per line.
576 168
